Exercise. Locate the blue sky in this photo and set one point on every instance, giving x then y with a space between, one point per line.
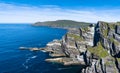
30 11
67 3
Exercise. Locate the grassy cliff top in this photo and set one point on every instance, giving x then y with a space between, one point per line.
62 23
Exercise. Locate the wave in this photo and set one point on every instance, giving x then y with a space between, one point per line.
64 68
27 60
33 57
26 67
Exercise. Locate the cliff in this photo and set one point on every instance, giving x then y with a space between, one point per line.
96 48
106 48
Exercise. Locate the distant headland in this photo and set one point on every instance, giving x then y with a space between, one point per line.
62 24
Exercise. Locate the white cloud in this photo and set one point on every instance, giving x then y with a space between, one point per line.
10 13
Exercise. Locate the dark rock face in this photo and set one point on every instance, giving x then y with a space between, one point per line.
117 65
97 67
97 34
81 33
117 29
117 37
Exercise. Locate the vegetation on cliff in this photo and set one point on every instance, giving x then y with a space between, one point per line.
75 37
98 51
62 23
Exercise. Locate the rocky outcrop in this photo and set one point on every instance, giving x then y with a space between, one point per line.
72 48
117 29
96 48
108 35
110 38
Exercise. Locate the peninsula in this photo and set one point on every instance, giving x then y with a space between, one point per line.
62 24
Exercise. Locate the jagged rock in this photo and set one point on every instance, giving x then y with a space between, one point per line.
75 48
97 34
105 33
117 37
111 33
81 32
117 65
117 29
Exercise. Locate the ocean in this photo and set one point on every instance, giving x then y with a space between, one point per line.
13 60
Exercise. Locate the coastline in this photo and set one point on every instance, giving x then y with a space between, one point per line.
95 48
56 52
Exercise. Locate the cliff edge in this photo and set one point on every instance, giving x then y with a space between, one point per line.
96 48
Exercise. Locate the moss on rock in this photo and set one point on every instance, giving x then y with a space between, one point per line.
99 51
76 37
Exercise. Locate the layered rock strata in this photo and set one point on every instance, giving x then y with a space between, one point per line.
96 48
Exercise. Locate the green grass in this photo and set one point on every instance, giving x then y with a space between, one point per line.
104 29
112 26
109 63
118 59
62 23
76 37
99 51
114 41
105 33
118 23
85 29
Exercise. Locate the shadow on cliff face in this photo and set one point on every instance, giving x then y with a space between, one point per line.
103 67
117 55
114 51
87 61
96 35
117 65
96 67
80 70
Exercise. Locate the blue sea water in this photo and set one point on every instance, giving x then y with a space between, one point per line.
13 60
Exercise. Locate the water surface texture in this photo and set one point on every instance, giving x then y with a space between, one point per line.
13 60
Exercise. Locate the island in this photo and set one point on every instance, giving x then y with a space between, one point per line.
95 47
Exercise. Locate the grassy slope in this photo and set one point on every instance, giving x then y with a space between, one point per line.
99 51
62 23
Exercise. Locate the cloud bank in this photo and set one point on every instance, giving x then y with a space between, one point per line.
10 13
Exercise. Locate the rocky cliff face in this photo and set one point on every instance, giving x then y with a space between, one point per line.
72 49
109 37
96 48
108 59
